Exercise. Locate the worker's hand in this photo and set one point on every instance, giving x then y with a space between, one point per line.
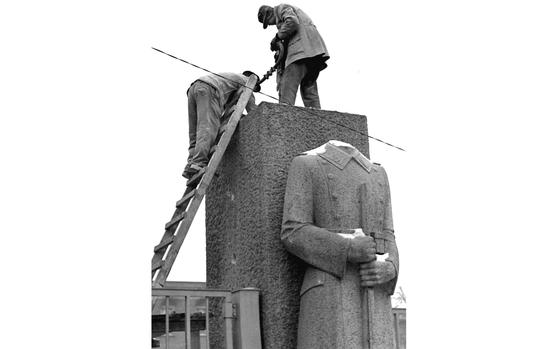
362 249
376 273
274 43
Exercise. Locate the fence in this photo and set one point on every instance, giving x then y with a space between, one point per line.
183 311
173 315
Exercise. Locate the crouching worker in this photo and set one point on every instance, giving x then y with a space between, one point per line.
210 98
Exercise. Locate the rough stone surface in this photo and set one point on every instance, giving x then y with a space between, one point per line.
244 207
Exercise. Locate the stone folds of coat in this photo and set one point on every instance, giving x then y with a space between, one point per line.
322 197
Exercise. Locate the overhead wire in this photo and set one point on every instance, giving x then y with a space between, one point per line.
307 110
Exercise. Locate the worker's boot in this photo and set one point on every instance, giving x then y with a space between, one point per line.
191 170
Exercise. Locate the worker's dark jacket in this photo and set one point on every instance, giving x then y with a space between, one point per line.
322 199
304 41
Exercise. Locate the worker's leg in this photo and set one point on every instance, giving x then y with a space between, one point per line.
290 81
308 89
208 122
192 123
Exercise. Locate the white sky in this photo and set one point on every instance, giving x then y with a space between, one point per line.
94 138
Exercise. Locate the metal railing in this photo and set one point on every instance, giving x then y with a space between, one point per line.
240 312
240 332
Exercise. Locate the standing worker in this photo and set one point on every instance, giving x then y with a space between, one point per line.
306 53
211 97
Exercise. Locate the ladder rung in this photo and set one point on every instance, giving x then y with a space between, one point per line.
175 221
158 265
223 128
185 198
194 179
164 244
195 193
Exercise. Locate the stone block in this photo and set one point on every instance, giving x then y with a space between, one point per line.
244 206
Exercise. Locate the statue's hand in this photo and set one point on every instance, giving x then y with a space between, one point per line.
375 273
362 249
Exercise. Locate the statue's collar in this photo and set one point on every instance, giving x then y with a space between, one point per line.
340 153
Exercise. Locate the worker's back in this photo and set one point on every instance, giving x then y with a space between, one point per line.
225 83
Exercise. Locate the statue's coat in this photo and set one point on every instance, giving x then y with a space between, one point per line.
322 199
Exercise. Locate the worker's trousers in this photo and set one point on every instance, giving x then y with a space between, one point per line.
204 121
303 74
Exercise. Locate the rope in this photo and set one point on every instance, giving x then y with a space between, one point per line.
307 110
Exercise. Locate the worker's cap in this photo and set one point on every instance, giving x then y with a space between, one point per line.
265 12
257 86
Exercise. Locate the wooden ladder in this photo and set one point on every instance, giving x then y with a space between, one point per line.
177 228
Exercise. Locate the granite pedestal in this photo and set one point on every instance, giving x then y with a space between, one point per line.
244 207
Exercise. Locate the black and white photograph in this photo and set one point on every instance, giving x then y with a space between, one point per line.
302 175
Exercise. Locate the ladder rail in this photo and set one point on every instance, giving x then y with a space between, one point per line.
185 224
169 233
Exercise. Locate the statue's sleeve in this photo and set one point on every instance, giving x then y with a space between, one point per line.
316 246
388 229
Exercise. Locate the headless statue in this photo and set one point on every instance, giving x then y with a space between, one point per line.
337 218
